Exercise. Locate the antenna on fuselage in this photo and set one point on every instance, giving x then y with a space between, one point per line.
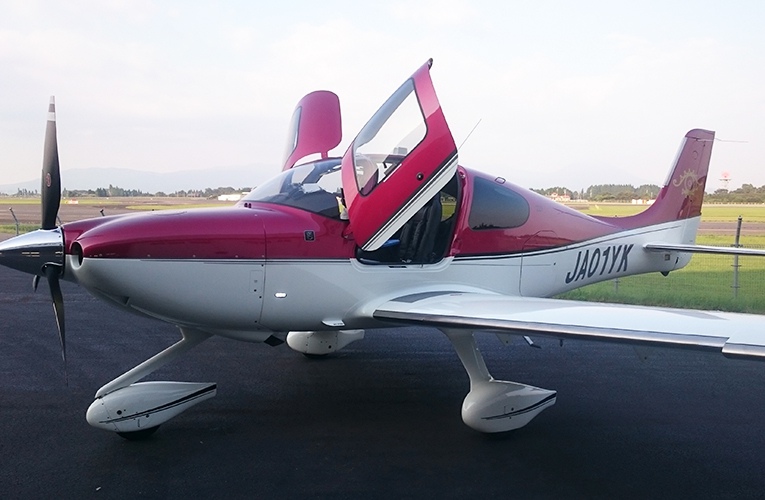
470 133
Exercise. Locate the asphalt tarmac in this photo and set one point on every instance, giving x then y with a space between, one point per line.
380 419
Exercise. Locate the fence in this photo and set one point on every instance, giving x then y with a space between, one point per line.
717 282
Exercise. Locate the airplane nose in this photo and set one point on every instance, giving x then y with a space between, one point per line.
31 252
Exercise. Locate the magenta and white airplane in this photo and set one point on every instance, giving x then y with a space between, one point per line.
395 232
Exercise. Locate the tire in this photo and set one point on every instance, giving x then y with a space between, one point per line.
138 435
315 356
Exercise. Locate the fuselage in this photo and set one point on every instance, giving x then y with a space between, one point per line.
265 266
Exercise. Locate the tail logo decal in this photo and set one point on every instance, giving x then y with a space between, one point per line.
689 181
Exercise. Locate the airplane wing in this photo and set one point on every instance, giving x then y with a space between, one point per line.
663 247
733 334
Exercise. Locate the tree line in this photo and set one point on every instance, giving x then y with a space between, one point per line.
747 193
118 192
605 192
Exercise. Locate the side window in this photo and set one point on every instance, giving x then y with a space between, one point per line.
495 206
380 147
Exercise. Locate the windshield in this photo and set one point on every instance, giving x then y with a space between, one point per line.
315 187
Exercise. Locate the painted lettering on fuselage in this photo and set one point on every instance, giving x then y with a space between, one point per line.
599 261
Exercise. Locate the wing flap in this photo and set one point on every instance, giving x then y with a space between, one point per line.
733 334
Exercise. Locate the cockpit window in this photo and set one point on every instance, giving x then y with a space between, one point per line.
314 187
495 206
394 131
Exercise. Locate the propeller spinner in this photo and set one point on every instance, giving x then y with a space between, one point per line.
41 252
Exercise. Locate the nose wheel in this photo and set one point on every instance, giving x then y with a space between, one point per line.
135 410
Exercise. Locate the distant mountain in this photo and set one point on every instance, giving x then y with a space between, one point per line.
152 182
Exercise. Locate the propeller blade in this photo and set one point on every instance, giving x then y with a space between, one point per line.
35 282
52 273
51 177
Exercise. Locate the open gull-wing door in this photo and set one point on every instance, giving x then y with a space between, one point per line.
401 158
315 127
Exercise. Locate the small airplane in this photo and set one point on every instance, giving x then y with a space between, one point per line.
395 232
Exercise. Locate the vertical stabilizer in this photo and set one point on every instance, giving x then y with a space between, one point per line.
683 191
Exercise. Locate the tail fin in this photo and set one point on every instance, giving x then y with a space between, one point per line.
683 191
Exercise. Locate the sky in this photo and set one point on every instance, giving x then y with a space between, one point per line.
566 93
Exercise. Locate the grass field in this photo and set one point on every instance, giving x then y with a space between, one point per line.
709 213
23 228
706 283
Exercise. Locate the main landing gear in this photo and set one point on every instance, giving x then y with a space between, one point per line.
490 406
135 410
494 405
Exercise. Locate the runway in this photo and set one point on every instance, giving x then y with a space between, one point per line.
729 228
380 419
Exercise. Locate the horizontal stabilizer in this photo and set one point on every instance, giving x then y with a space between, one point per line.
674 247
733 334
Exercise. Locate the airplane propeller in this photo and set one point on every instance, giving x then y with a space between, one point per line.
41 253
51 201
52 273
